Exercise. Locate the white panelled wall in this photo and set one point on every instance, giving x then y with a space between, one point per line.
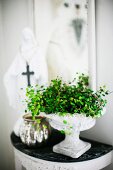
14 16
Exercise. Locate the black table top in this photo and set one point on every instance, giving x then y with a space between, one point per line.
45 153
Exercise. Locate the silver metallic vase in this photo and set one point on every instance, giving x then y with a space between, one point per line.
35 132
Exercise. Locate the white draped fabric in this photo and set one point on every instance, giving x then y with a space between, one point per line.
16 83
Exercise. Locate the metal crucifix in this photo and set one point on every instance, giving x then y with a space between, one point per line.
28 74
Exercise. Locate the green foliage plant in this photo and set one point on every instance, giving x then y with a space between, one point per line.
66 98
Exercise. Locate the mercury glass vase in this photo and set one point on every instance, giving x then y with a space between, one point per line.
34 132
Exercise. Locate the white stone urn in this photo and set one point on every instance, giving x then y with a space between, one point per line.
71 125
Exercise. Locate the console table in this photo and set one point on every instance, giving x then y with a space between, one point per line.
43 158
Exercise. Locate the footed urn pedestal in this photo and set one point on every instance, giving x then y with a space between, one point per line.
71 125
72 145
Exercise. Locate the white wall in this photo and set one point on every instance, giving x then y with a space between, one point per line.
104 32
14 18
104 28
104 15
2 154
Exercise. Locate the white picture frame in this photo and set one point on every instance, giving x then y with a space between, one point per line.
37 5
92 44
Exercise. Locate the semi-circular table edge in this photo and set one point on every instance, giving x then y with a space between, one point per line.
32 163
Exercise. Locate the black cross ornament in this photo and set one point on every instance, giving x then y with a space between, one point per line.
28 73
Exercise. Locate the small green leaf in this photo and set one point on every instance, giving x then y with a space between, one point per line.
62 131
64 121
38 121
44 126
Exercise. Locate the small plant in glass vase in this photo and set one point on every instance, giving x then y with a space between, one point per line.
35 130
70 107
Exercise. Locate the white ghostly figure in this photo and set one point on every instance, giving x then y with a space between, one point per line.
68 48
28 68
